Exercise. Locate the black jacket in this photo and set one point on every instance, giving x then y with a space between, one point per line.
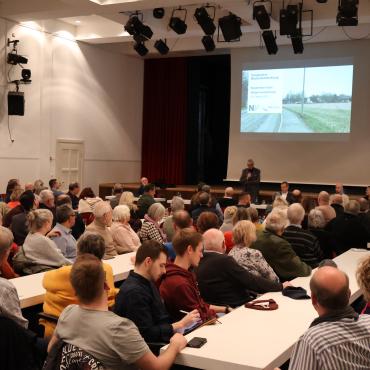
199 210
139 301
339 210
227 202
223 281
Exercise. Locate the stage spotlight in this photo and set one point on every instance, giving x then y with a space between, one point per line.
231 27
158 13
347 13
205 21
176 23
270 42
297 44
141 49
161 47
208 43
138 30
289 20
261 16
26 75
15 59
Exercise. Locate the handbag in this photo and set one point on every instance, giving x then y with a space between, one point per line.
25 266
262 305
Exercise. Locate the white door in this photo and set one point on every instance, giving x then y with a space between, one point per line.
69 162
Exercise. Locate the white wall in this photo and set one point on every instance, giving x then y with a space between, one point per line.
80 92
315 159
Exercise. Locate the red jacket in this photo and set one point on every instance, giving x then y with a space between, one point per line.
179 290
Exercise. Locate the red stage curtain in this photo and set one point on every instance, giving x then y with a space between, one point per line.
164 120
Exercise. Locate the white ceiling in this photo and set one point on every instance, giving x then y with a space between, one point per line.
101 21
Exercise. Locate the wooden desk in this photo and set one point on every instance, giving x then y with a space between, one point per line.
255 340
31 292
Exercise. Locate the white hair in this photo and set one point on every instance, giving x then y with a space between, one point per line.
177 204
352 207
121 213
316 219
213 240
6 239
45 195
277 220
295 213
156 211
101 208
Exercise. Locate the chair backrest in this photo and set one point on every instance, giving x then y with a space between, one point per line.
65 356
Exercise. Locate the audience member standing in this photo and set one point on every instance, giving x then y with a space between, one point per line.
250 179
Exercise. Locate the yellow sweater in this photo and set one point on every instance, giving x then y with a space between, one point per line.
59 293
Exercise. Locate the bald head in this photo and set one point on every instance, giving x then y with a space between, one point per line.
323 198
213 240
229 191
329 289
181 219
339 188
364 204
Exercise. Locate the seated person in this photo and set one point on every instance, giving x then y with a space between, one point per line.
364 215
177 204
244 200
213 203
363 280
111 339
117 192
55 185
338 338
204 200
181 220
146 200
285 193
87 201
347 230
228 218
206 221
64 239
278 252
47 201
139 299
222 280
124 236
151 229
38 248
227 200
336 202
73 191
59 292
143 182
244 234
19 222
179 288
304 243
240 214
9 301
127 199
323 201
101 224
14 197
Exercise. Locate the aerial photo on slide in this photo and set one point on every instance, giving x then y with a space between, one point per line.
297 100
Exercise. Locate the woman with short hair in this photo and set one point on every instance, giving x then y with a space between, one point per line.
123 235
244 234
127 199
151 229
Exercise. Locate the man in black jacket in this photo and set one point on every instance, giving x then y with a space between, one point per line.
139 299
222 281
250 179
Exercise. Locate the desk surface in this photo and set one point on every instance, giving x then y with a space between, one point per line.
250 339
31 292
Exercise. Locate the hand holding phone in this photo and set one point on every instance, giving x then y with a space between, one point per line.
196 342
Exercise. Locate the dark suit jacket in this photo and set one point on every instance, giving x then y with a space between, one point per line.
339 210
227 202
252 183
223 281
289 197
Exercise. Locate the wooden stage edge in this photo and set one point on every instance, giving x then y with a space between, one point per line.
186 191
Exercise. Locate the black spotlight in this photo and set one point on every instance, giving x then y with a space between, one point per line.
141 49
270 42
14 59
297 44
205 21
26 75
138 30
289 20
158 13
347 13
176 23
261 16
231 27
162 47
208 43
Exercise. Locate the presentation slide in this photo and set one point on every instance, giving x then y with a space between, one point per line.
297 100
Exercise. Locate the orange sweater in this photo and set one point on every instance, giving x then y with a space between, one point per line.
59 293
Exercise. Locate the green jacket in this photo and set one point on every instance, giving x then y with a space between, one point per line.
280 255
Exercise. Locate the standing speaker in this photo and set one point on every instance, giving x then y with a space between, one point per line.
15 103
